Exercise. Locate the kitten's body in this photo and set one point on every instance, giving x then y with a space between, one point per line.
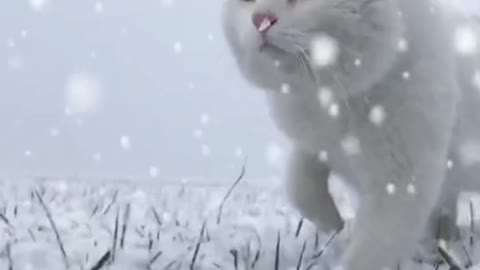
395 115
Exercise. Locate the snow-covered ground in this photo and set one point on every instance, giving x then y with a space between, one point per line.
159 227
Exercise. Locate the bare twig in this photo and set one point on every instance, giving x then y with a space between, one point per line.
55 230
240 177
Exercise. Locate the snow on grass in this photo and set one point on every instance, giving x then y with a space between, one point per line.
74 225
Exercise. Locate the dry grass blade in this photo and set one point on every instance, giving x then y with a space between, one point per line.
9 256
112 202
277 252
240 177
126 217
156 216
102 262
468 256
299 228
115 235
55 230
155 257
234 253
197 246
472 223
300 259
320 253
5 220
449 258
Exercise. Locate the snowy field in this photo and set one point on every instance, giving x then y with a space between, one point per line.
122 226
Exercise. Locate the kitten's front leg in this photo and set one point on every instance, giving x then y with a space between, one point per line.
401 167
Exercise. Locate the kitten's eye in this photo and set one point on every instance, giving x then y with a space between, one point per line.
248 0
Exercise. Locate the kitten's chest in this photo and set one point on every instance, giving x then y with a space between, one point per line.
313 122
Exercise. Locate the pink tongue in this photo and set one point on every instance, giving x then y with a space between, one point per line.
263 21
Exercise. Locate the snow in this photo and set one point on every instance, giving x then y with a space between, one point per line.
391 188
350 145
466 40
125 142
39 5
324 50
83 93
323 156
334 110
162 222
177 47
325 96
275 155
377 115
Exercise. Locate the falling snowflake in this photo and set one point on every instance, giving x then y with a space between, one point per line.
11 43
402 45
83 93
390 188
377 115
15 62
28 153
465 40
167 3
125 142
277 63
24 33
97 157
98 7
411 189
285 88
39 5
449 164
406 75
238 152
153 172
54 132
177 47
204 118
275 155
350 145
324 50
334 110
210 37
93 55
205 150
197 133
358 62
323 156
325 96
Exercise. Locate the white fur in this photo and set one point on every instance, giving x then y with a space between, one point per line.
429 107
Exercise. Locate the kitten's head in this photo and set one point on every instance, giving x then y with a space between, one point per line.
277 40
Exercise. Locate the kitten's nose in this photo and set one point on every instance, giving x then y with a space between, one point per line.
263 21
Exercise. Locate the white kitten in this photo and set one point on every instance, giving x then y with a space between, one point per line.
376 91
